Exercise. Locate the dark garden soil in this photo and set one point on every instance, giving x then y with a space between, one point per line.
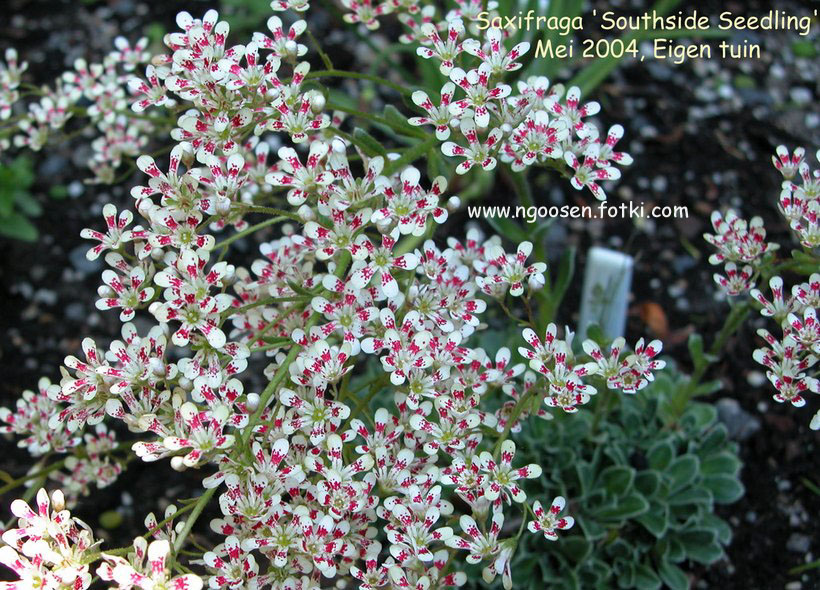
701 134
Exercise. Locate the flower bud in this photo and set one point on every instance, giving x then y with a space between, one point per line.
223 205
536 282
291 47
453 203
177 464
338 145
306 213
157 366
57 500
253 402
317 103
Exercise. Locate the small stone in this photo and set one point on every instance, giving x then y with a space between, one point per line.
75 311
75 189
798 543
740 423
659 184
82 264
800 95
46 296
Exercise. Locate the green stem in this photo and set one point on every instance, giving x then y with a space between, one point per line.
602 409
730 325
325 57
516 412
246 232
189 524
271 211
266 301
331 73
21 480
363 402
282 372
410 156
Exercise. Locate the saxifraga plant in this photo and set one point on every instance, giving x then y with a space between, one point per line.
369 457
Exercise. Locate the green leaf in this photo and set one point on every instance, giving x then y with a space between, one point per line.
617 479
27 204
692 495
647 482
58 191
714 441
723 463
726 488
399 122
676 551
576 548
624 508
695 345
23 172
646 578
585 476
656 520
673 576
660 455
804 49
592 529
18 227
682 472
368 144
6 201
720 526
708 388
701 545
699 416
508 228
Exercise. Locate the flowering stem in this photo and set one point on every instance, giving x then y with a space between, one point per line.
513 418
165 521
601 409
271 211
282 372
265 301
197 510
252 229
21 480
325 57
376 119
731 324
410 156
375 387
331 73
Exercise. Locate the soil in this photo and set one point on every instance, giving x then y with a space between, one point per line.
702 134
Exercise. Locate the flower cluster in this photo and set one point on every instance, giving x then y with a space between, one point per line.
372 434
49 548
538 124
743 248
